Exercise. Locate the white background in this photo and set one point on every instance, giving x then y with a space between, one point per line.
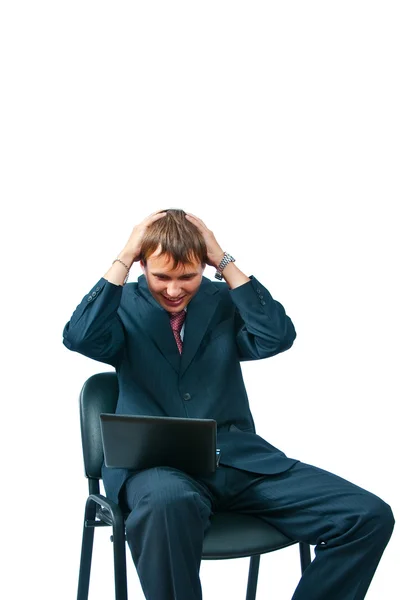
277 124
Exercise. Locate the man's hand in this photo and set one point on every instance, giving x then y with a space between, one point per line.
214 251
117 273
134 244
232 275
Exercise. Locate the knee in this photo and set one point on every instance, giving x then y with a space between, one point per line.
378 514
169 499
386 518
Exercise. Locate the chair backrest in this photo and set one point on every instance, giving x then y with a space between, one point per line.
99 394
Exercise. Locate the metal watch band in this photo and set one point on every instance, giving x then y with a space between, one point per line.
225 261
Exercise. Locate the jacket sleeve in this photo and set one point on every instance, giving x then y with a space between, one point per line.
262 327
95 329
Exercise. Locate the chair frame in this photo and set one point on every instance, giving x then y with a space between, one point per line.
102 512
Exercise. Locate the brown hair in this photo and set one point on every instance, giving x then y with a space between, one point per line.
178 238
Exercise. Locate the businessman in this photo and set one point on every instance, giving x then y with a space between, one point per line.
176 340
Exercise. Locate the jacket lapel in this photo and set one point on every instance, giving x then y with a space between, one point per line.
155 320
199 314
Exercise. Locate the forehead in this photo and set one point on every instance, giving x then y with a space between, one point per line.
165 264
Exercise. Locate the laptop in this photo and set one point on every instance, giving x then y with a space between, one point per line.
141 442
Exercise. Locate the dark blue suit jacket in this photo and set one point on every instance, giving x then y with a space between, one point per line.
125 327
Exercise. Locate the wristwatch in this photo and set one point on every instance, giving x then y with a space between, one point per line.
225 261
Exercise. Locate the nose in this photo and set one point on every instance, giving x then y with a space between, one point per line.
174 289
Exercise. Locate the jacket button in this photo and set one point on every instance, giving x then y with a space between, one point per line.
89 299
97 289
186 396
262 302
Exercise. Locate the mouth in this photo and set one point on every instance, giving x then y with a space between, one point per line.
173 302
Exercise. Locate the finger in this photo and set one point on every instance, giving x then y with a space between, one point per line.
155 216
156 212
198 221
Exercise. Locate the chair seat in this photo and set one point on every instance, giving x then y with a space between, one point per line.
235 535
232 535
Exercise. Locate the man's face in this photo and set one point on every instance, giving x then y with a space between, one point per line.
172 288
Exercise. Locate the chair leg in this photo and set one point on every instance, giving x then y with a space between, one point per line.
253 577
118 538
86 552
305 555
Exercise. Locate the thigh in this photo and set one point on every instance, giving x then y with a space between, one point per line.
162 485
306 503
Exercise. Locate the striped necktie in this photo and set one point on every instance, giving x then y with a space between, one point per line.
176 320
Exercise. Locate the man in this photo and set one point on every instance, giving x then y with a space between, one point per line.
176 340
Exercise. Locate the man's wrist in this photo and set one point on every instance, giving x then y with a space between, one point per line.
217 260
127 257
226 260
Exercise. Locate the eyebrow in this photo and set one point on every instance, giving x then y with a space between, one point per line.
180 276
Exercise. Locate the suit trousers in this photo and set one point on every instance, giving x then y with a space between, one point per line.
170 512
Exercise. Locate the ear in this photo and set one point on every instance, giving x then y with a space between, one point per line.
143 267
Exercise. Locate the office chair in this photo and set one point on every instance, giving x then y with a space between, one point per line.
230 535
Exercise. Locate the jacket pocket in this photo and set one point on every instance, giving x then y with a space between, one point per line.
233 427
